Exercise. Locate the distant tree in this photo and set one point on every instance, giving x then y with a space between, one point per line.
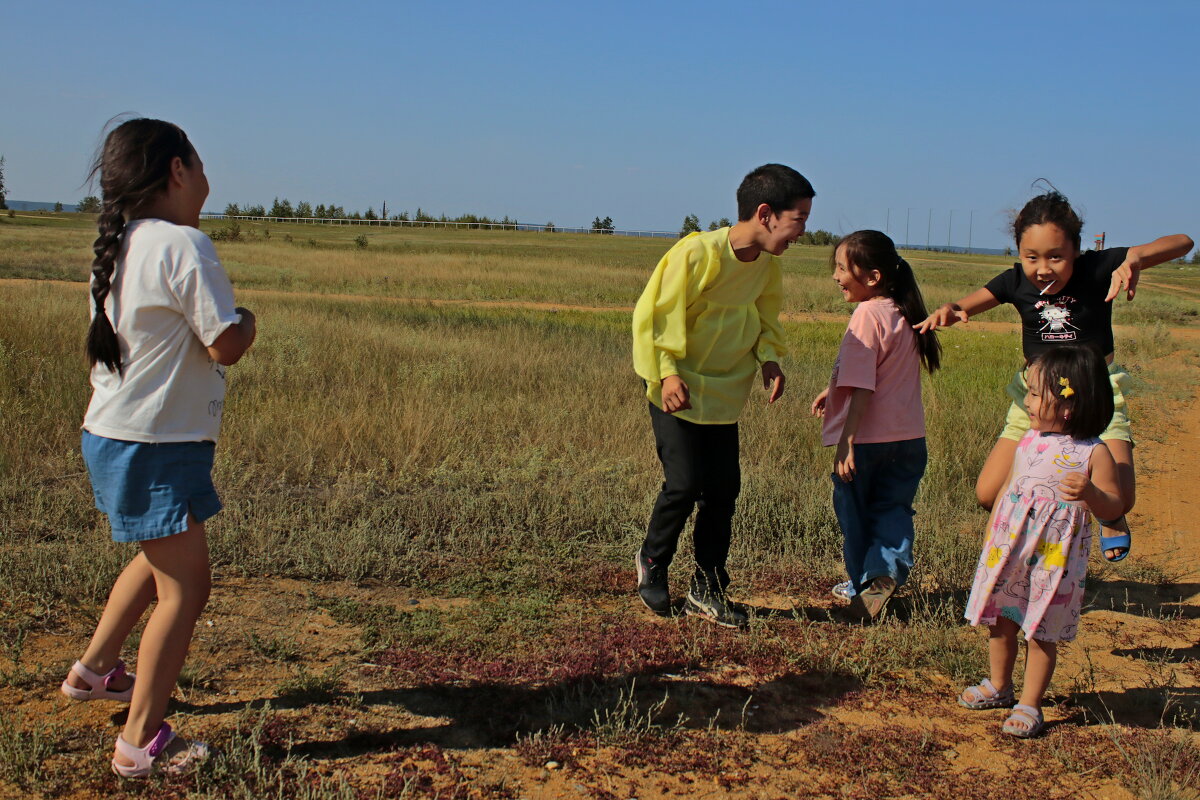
691 224
820 238
603 226
281 208
320 211
549 227
383 211
90 205
255 211
3 191
723 222
355 215
1196 256
232 210
370 213
57 207
422 216
304 209
402 216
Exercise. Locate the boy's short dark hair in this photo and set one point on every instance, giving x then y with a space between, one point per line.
1090 400
779 186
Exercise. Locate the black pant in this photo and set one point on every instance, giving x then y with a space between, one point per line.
700 467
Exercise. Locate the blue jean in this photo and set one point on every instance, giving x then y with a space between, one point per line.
875 510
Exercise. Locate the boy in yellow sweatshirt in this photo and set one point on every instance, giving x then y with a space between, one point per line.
707 321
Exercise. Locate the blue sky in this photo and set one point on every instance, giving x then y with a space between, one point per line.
644 112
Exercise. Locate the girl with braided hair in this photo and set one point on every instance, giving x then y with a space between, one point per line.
872 412
164 328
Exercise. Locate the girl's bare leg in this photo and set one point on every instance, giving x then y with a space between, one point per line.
182 579
1002 652
995 472
1122 453
130 597
1039 668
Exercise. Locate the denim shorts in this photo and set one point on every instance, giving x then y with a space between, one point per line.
148 489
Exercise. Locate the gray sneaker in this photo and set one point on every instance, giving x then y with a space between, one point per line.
707 599
843 591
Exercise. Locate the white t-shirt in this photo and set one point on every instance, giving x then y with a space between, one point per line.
170 300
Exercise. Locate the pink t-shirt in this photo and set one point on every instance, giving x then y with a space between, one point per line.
878 352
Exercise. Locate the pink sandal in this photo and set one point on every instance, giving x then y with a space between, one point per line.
143 758
98 684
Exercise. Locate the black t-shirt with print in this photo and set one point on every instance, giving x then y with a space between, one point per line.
1075 314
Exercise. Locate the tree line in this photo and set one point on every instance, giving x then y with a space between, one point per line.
283 209
691 224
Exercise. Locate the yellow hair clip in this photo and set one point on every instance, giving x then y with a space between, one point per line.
1067 391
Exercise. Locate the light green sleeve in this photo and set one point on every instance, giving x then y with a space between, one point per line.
770 345
660 317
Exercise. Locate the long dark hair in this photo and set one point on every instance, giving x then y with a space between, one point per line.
868 250
1080 372
133 165
1050 208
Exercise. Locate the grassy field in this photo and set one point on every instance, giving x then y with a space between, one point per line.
375 437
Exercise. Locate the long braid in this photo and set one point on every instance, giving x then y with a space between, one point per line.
133 165
102 344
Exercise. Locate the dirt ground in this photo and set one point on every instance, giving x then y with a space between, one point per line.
276 667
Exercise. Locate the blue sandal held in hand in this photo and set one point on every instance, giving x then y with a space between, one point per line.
1122 541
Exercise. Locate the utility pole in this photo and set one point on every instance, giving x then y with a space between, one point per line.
907 214
949 227
970 230
887 226
928 228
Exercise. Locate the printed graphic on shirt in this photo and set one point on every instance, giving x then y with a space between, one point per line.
1056 320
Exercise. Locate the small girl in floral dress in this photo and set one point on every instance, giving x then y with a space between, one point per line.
1031 571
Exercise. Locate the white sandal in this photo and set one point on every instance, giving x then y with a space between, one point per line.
97 685
144 758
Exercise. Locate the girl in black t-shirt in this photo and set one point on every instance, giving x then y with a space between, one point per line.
1063 296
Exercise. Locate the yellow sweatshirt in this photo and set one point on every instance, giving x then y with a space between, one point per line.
710 319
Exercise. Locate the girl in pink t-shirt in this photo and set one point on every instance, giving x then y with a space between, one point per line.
872 411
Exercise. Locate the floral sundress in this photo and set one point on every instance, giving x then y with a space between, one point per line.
1034 562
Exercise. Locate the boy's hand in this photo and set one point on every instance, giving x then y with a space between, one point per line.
944 317
675 394
773 380
1125 277
818 405
843 461
1075 486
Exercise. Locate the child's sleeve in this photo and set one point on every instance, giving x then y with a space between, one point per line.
859 353
770 345
205 294
660 318
1004 285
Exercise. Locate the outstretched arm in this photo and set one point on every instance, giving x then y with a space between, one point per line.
1145 256
976 302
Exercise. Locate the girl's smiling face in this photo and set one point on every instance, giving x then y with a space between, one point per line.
1047 257
855 286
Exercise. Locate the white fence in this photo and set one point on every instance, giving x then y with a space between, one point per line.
412 223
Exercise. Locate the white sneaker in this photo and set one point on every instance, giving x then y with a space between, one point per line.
843 591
